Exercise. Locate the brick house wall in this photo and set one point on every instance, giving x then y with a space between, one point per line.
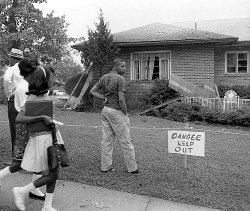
192 62
219 68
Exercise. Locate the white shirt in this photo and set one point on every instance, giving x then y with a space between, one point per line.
20 94
11 78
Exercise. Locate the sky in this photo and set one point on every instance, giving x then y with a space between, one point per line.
127 14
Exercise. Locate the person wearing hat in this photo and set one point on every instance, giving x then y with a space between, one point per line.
11 78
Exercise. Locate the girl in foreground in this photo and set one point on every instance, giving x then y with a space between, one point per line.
35 155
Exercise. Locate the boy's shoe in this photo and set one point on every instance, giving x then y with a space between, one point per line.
134 172
19 198
49 209
108 170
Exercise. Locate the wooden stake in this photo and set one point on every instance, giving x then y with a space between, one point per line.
185 161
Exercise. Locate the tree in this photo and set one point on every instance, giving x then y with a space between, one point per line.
65 69
99 50
23 26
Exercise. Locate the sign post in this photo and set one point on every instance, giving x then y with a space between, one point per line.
230 100
185 155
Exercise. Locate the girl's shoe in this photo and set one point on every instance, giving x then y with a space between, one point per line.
49 209
19 199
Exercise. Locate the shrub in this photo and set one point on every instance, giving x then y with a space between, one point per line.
178 111
159 93
135 93
71 83
241 90
3 98
181 111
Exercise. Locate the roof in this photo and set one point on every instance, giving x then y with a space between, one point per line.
159 33
238 27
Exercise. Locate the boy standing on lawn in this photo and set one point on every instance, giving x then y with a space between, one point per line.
115 121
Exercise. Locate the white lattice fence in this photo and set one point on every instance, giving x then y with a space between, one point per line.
219 103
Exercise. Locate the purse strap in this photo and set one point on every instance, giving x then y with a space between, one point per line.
53 131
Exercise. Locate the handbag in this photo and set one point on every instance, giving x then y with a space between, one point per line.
57 155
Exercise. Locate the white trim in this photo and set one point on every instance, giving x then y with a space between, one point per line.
131 67
161 51
237 52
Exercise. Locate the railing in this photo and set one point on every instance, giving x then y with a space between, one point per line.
219 103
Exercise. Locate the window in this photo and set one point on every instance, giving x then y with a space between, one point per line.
150 66
237 62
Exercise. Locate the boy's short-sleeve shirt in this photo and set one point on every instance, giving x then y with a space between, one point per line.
110 85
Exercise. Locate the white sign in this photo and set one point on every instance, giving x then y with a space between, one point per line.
186 142
231 95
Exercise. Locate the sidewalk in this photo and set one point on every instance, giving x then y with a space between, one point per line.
70 196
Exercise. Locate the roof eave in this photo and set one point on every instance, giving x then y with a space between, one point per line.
176 42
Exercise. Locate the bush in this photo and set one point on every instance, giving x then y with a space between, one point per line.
241 90
71 83
159 93
182 112
135 93
3 98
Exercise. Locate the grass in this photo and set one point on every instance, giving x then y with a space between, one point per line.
218 180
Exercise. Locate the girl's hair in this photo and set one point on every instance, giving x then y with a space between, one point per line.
27 66
40 81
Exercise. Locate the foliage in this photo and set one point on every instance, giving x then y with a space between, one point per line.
99 48
159 93
241 90
23 26
71 83
65 69
3 98
134 99
182 112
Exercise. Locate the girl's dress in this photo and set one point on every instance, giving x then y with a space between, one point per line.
35 156
22 135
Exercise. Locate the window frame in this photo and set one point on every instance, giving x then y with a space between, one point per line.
237 60
132 71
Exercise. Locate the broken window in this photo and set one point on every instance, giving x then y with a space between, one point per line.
150 66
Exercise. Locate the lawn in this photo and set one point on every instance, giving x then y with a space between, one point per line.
219 180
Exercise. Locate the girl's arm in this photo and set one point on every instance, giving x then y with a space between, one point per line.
21 118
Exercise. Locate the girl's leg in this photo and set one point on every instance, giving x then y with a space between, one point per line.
20 192
50 193
36 193
47 179
14 167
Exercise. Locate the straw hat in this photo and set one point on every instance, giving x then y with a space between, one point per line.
16 53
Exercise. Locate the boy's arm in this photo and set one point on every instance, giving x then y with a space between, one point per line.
122 102
95 93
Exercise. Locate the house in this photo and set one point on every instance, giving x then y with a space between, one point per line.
231 62
158 50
